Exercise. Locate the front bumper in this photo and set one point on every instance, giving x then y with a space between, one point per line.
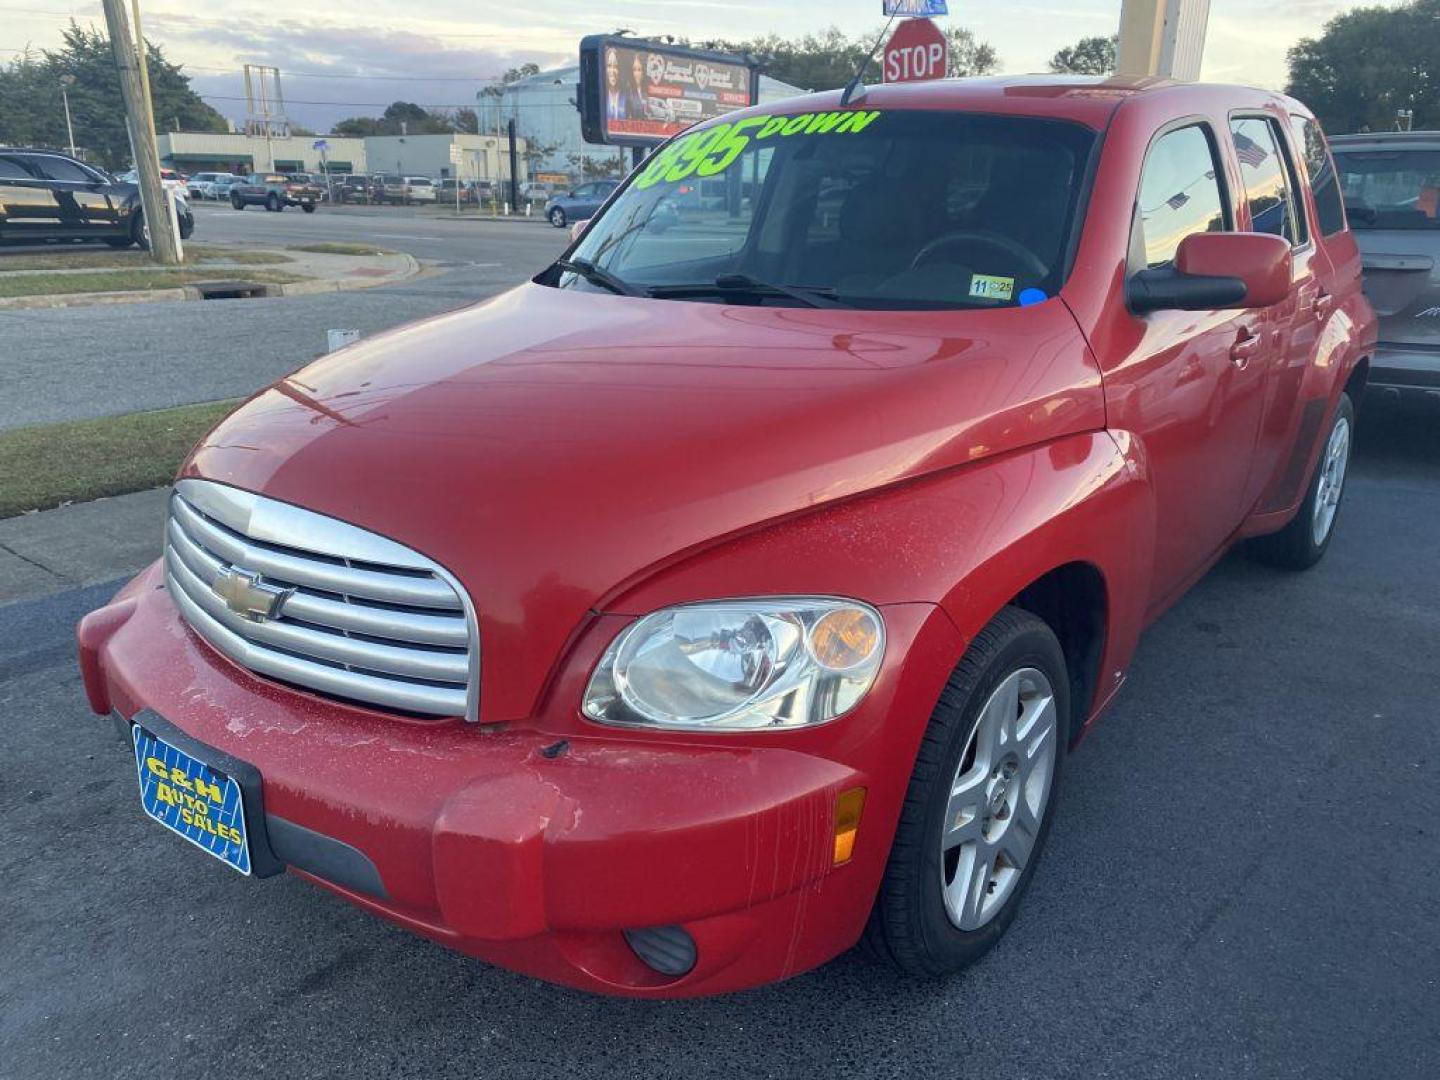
537 847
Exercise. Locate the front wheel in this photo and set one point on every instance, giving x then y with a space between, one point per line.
237 202
979 804
1303 543
557 218
308 207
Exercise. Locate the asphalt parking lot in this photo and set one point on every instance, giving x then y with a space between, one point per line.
85 362
1243 881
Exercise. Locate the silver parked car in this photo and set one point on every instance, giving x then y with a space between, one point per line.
1391 186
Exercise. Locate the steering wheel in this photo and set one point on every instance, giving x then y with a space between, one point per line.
995 241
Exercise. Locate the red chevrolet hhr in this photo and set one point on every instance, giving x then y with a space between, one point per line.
733 591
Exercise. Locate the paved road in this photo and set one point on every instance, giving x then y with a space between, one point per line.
74 363
1243 882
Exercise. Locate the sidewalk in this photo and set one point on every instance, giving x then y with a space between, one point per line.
57 550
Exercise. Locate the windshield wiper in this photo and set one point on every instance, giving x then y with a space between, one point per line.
744 283
598 276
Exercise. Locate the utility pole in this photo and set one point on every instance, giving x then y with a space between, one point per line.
164 247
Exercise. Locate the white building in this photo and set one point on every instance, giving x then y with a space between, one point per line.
196 151
482 157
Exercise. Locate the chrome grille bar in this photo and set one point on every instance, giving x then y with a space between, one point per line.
395 631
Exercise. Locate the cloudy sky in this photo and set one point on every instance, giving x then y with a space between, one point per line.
436 52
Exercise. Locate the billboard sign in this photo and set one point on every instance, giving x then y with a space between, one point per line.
633 93
915 8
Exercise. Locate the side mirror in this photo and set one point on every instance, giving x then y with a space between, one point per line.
578 229
1216 270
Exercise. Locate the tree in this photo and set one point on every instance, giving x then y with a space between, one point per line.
465 122
31 112
1088 56
592 167
1369 62
399 118
827 60
514 75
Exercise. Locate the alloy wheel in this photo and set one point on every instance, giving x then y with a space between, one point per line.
998 798
1333 467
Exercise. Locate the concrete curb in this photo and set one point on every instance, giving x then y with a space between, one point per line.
410 268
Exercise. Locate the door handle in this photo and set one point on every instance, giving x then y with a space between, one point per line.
1246 346
1322 303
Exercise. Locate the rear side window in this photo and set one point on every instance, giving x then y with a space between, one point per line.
56 168
1179 194
12 169
1269 189
1390 189
1323 183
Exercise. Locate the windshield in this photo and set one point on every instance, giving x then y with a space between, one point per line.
875 209
1390 189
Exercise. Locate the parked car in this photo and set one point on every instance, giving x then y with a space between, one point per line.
275 191
1391 187
471 192
172 181
46 195
203 185
580 203
221 185
418 189
674 620
355 187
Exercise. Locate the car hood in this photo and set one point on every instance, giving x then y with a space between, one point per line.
551 448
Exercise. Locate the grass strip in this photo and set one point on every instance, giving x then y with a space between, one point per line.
131 280
90 259
52 464
340 249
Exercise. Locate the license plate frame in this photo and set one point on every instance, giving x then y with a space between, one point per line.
240 805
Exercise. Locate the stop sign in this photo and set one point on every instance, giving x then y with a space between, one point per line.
918 51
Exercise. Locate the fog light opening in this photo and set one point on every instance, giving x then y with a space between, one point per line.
668 950
847 823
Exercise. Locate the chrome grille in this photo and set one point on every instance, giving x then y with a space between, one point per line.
312 601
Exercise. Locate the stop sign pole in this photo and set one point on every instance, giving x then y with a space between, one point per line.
917 52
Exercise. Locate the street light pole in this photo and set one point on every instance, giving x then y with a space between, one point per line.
67 81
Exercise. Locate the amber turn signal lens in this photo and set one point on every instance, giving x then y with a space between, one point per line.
844 638
847 823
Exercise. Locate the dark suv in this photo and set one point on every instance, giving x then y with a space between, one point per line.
1391 184
45 195
275 191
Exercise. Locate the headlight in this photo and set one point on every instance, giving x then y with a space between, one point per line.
739 665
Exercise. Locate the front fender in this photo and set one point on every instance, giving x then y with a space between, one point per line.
967 540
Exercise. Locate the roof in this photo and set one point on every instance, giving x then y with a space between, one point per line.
1391 140
1086 99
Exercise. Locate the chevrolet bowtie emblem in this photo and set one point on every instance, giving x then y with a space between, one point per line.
246 595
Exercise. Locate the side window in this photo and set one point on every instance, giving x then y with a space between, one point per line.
13 169
1179 195
1266 176
56 168
1318 163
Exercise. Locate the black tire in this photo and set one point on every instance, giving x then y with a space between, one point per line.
139 235
274 203
909 928
237 202
557 218
120 241
308 207
1295 547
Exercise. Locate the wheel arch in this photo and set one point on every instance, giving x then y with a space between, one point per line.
1074 601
